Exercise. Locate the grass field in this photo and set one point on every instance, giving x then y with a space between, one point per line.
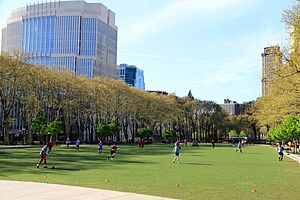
203 173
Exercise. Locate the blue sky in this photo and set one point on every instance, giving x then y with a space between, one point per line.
212 47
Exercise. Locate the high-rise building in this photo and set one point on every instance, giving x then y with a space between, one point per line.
270 59
231 107
132 76
74 35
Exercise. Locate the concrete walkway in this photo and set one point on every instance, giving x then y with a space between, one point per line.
295 157
11 190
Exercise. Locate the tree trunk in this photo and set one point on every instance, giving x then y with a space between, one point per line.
6 117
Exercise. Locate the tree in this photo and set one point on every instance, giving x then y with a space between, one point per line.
288 130
242 134
103 130
232 134
39 126
53 128
169 134
145 132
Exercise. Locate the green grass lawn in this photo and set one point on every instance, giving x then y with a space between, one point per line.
203 173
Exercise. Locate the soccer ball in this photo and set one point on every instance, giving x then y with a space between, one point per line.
52 167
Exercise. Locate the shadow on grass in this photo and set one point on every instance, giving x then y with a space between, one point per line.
65 169
203 164
135 162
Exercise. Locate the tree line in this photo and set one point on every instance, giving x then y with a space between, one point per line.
44 101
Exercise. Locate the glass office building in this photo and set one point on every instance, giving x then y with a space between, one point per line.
132 76
74 35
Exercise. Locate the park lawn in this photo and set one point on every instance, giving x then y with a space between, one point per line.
204 173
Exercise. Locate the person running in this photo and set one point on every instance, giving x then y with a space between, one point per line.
100 147
213 144
280 151
176 151
113 152
77 143
177 143
43 156
239 147
68 142
142 143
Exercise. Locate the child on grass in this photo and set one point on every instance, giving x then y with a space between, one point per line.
112 153
43 156
280 151
176 151
100 147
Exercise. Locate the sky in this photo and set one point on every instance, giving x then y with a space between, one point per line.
211 47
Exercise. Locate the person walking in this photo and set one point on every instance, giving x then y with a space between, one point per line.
280 152
239 147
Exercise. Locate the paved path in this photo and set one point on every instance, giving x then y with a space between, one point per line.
295 157
11 190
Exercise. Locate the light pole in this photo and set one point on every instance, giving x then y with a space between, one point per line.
23 136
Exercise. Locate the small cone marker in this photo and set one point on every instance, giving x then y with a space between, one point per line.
107 181
177 185
254 190
45 176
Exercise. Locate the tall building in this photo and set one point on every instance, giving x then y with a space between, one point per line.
231 107
270 59
132 76
74 35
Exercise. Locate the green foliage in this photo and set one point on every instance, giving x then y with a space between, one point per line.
242 134
169 134
54 127
103 130
232 133
39 125
144 132
289 129
114 129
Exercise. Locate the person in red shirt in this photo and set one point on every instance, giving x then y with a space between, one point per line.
113 152
142 143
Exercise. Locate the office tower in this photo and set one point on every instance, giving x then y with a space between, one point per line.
77 36
132 76
231 107
270 59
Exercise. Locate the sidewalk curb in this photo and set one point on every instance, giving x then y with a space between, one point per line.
293 157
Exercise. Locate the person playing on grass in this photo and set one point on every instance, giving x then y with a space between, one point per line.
280 151
142 143
100 147
68 142
113 152
176 151
239 147
50 145
43 156
77 143
213 144
177 143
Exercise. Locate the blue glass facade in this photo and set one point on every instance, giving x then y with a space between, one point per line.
72 35
38 39
132 76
